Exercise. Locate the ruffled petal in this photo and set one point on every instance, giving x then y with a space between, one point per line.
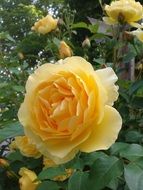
108 79
136 25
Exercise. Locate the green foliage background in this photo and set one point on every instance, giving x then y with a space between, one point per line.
120 167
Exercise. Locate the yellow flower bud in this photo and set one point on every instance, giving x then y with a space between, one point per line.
47 162
25 146
3 163
28 179
45 25
21 55
86 42
64 50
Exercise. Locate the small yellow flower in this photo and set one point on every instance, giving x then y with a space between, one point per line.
3 163
64 50
28 179
26 148
124 11
138 33
45 25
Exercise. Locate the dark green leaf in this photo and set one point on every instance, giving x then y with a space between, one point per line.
11 129
135 86
89 158
137 102
15 156
78 181
133 136
48 185
103 171
132 152
134 176
50 173
113 184
118 147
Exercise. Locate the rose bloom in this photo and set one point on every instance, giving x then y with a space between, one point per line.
64 50
128 11
24 145
27 180
68 108
45 25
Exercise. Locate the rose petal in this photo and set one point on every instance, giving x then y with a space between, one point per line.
109 21
108 79
104 134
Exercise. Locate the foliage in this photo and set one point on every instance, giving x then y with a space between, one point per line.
120 167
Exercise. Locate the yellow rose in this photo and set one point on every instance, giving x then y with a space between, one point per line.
138 33
28 179
68 108
64 50
24 145
45 25
128 11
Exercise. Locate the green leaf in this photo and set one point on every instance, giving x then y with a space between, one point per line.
133 136
132 152
113 184
76 163
89 158
18 88
135 86
93 28
100 61
48 185
15 156
80 25
5 35
139 162
10 130
103 171
134 176
4 84
78 181
52 172
137 102
118 147
56 41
